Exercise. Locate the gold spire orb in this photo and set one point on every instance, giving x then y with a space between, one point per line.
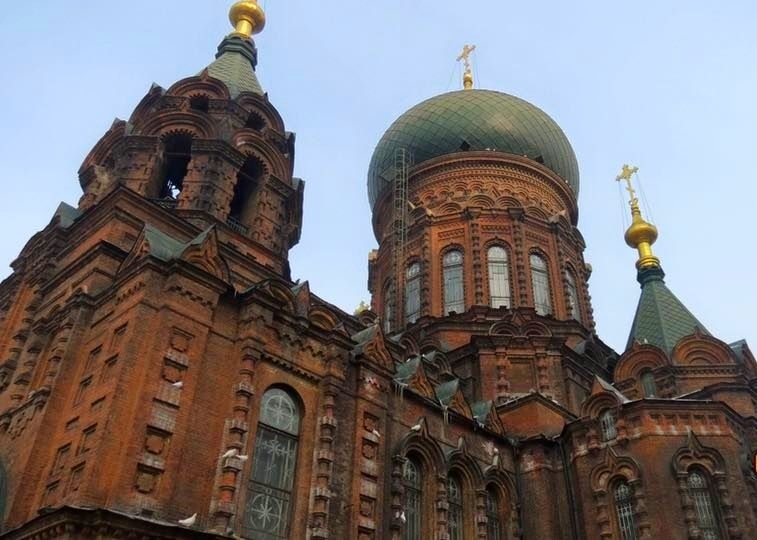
641 234
464 57
247 18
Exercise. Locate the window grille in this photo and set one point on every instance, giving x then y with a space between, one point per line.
703 505
413 500
575 308
499 277
493 524
540 284
454 299
607 423
413 293
268 510
648 384
455 512
624 510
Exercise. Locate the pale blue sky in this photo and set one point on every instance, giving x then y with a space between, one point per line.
669 86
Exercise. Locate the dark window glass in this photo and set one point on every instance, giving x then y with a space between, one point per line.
624 510
648 384
607 423
540 285
454 299
575 309
413 293
413 500
269 501
455 514
499 277
493 523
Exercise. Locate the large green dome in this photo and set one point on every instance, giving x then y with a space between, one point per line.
473 120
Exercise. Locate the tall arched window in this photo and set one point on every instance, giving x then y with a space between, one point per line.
412 293
648 384
624 511
269 500
455 513
454 293
412 480
540 285
700 493
177 152
499 277
493 523
248 179
573 305
388 307
607 425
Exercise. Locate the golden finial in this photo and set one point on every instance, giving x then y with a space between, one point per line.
641 234
465 59
362 306
247 18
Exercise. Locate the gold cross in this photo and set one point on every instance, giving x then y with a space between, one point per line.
465 55
625 174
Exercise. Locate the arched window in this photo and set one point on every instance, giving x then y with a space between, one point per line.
248 179
413 293
269 500
493 523
648 384
701 496
455 513
454 297
412 480
177 152
540 285
573 305
624 511
388 307
499 277
607 424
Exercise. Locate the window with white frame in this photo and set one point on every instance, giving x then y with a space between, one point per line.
499 277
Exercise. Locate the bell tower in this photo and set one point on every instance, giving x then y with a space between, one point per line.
212 150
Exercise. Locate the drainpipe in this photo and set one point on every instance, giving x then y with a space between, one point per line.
569 489
515 443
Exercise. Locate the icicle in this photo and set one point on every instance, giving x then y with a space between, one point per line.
399 389
445 419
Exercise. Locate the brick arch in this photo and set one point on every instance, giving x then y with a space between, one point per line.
535 211
462 466
323 318
250 143
104 146
505 488
410 344
449 208
613 469
639 358
200 126
483 201
694 456
255 103
200 84
596 403
699 349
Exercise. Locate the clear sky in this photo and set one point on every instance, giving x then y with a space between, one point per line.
668 86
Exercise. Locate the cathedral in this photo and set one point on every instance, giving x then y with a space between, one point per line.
162 376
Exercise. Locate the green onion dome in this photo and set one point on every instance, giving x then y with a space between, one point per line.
469 120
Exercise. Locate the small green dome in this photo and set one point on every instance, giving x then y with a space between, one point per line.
472 120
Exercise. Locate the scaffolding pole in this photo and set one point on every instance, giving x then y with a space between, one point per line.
402 164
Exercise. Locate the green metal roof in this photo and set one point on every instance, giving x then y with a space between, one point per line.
661 318
446 391
472 120
235 66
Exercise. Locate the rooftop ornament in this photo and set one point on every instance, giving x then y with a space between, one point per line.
247 18
641 234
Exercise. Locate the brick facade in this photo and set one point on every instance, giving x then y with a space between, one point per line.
140 332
